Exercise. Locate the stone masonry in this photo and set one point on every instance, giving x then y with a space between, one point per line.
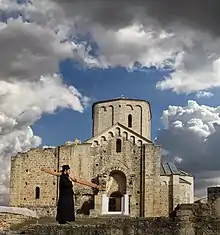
191 219
120 153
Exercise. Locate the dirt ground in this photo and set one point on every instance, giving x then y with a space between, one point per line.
47 220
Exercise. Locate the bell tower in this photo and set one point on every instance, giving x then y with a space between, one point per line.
132 113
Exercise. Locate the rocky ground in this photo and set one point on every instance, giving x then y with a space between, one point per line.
6 228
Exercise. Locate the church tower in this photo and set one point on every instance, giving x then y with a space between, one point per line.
134 114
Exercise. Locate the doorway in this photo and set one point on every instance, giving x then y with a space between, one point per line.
115 202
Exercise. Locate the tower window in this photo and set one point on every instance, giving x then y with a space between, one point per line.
129 120
118 146
37 193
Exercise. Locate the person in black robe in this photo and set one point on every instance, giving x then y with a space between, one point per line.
65 207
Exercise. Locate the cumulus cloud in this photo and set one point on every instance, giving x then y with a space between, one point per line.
183 37
190 138
30 83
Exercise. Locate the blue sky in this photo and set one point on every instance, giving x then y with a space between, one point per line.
101 84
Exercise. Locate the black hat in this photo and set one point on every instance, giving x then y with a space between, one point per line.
65 167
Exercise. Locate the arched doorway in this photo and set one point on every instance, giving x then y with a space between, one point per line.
115 199
115 202
118 182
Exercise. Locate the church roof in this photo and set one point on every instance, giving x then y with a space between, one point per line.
169 168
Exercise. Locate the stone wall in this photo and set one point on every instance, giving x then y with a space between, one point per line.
187 189
186 225
86 162
118 131
27 178
107 160
188 219
13 219
152 180
175 190
165 206
109 226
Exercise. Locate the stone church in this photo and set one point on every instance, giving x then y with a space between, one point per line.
123 156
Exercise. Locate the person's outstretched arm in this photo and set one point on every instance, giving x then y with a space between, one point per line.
79 181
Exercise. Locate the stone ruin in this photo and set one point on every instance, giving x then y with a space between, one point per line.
187 219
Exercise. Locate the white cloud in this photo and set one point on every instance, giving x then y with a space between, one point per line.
189 53
30 84
190 138
22 103
140 32
133 35
202 94
133 44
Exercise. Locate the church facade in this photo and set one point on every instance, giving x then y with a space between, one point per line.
121 153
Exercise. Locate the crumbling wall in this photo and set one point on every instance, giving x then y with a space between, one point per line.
8 219
191 219
109 226
133 226
28 185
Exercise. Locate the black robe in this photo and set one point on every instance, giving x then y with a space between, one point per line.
65 207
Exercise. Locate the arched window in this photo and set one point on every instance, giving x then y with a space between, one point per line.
129 120
37 193
118 146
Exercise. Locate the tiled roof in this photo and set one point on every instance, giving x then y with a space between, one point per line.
168 168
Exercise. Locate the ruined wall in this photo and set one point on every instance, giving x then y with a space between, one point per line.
28 185
185 223
189 219
181 190
13 219
197 219
32 188
175 190
186 192
165 200
106 114
110 226
15 180
79 158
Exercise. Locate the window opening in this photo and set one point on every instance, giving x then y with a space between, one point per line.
118 146
130 120
37 193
